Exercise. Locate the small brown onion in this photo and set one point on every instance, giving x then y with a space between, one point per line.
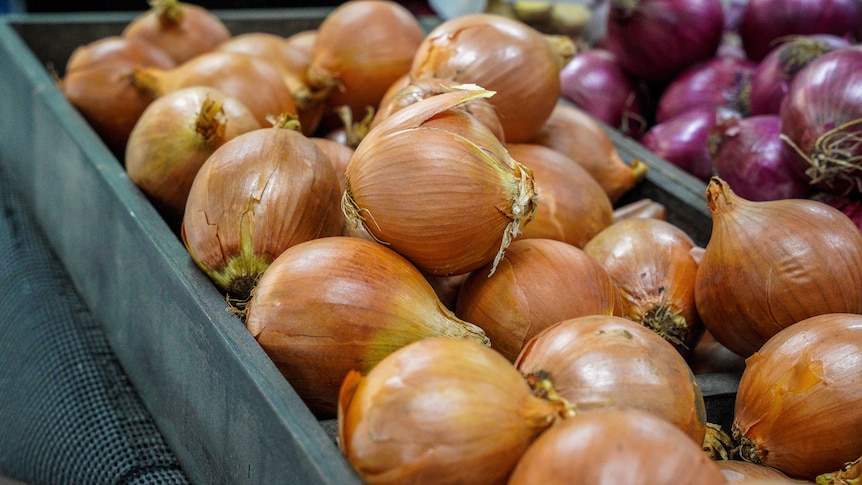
770 264
440 410
447 288
742 471
255 196
650 262
799 402
604 360
503 55
361 48
573 207
710 357
574 133
98 83
182 30
612 446
640 208
538 283
338 153
335 304
172 139
439 187
253 81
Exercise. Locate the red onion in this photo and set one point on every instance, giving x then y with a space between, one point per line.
657 39
773 74
821 120
595 82
749 155
717 82
765 21
682 141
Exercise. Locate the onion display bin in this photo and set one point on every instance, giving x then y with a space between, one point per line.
221 404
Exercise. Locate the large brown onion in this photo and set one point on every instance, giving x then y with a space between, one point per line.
770 264
182 30
361 48
440 410
799 401
255 196
574 133
500 54
650 262
613 446
604 360
538 283
439 187
573 207
335 304
172 139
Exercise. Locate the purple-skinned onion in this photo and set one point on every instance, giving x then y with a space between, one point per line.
682 141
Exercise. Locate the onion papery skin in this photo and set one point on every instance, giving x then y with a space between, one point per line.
440 411
361 48
655 40
575 133
651 265
799 402
502 55
770 264
821 120
255 196
749 154
182 30
98 83
438 187
334 304
720 82
172 139
573 206
742 471
253 81
772 76
604 360
615 445
538 283
338 153
765 22
682 141
595 82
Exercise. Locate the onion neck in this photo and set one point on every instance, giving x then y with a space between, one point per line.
719 197
210 122
168 11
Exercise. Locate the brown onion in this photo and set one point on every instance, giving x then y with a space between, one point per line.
253 81
711 356
255 196
98 82
361 48
538 283
640 208
605 360
338 153
182 30
440 410
615 445
438 187
172 139
573 207
799 402
502 55
574 133
650 262
743 471
335 304
769 264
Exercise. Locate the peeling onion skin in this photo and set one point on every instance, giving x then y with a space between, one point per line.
538 283
615 445
799 401
650 262
330 305
440 411
771 264
600 360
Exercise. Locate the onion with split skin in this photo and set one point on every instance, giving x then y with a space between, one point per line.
799 401
440 410
770 264
537 283
330 305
